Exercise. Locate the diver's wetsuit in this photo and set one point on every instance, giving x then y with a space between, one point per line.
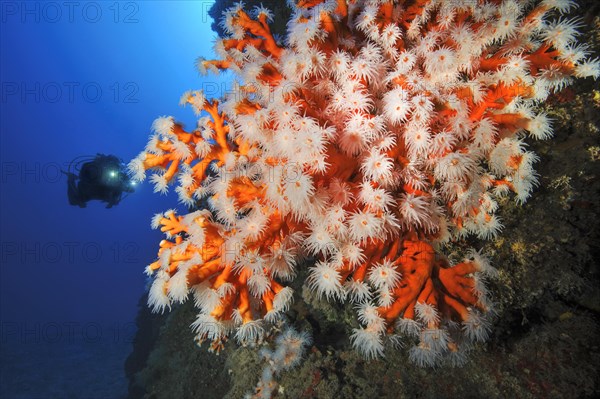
99 179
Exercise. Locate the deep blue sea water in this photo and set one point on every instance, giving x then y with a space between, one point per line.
80 78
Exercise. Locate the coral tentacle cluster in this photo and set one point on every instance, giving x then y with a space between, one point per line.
374 134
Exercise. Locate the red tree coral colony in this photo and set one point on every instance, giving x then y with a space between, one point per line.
378 132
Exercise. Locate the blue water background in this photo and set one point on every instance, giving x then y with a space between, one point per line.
71 278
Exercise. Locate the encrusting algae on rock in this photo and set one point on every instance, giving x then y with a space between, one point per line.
377 133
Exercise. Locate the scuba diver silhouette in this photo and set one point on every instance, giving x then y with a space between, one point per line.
102 178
